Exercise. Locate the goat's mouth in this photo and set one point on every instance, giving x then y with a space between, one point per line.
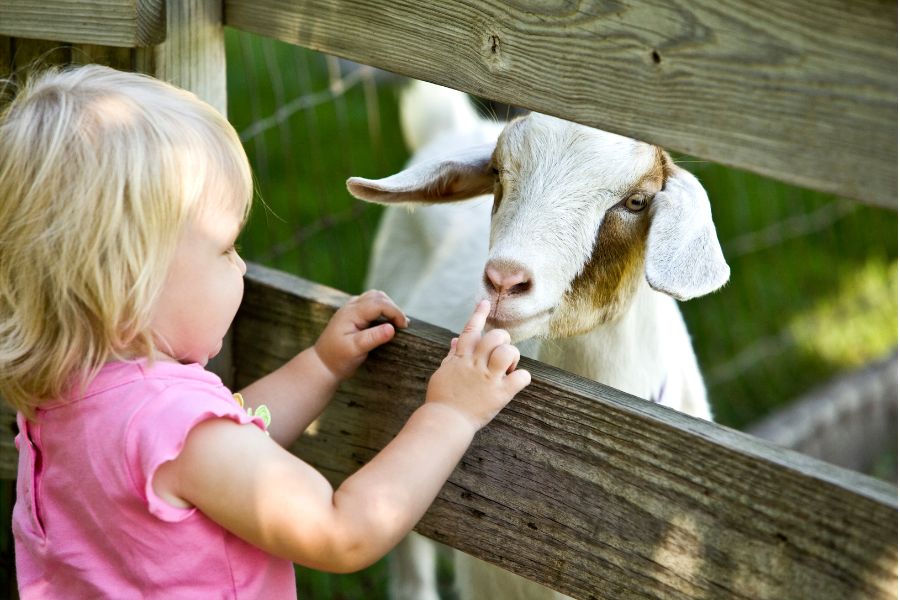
522 327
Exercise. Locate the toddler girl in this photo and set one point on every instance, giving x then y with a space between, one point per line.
140 474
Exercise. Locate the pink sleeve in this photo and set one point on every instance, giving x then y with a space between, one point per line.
157 432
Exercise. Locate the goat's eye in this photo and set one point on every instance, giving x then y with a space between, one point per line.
495 171
636 202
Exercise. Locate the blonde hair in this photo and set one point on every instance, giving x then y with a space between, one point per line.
99 172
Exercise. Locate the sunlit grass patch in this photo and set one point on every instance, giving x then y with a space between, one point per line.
858 323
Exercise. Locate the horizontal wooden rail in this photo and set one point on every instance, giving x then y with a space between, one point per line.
127 23
805 92
588 490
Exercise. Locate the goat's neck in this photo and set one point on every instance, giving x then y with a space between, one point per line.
631 353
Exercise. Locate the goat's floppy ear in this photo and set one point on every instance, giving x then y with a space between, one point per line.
457 177
684 258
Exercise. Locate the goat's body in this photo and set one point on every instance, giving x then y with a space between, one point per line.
438 278
431 261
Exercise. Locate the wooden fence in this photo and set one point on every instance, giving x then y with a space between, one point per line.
576 485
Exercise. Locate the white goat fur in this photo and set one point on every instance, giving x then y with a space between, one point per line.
563 187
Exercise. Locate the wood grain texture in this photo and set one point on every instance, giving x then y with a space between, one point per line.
127 23
591 491
193 54
805 92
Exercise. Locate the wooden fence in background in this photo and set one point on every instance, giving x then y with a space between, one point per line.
575 485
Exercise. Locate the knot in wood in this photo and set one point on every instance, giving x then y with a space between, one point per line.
493 54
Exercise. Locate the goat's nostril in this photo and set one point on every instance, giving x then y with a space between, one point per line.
506 277
521 288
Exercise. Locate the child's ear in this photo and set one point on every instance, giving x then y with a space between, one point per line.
457 177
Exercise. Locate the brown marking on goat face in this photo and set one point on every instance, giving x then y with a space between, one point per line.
654 179
605 286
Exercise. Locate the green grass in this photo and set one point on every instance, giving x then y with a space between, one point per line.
301 164
806 301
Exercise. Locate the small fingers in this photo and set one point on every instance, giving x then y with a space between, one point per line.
374 304
503 359
471 333
518 380
489 342
453 344
370 338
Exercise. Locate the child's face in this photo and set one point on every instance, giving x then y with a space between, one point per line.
203 289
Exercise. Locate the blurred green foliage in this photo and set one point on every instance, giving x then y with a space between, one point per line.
815 297
813 289
319 231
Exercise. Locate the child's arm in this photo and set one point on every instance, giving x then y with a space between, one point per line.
254 488
298 392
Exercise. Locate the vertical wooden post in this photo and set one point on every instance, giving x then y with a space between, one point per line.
193 55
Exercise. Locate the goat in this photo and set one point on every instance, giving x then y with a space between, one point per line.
581 239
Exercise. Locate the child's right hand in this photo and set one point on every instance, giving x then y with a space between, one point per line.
242 480
479 376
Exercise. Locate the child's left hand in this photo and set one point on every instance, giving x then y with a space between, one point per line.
348 338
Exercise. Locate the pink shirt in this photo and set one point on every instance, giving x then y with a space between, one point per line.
87 523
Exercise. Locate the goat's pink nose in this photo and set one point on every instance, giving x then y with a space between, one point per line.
507 277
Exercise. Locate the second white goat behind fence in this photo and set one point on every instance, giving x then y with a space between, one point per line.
581 239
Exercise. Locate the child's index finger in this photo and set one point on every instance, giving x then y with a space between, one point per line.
471 333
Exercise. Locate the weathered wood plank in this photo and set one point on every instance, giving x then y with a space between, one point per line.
127 23
805 92
591 491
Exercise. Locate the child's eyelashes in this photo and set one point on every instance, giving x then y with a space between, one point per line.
233 249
